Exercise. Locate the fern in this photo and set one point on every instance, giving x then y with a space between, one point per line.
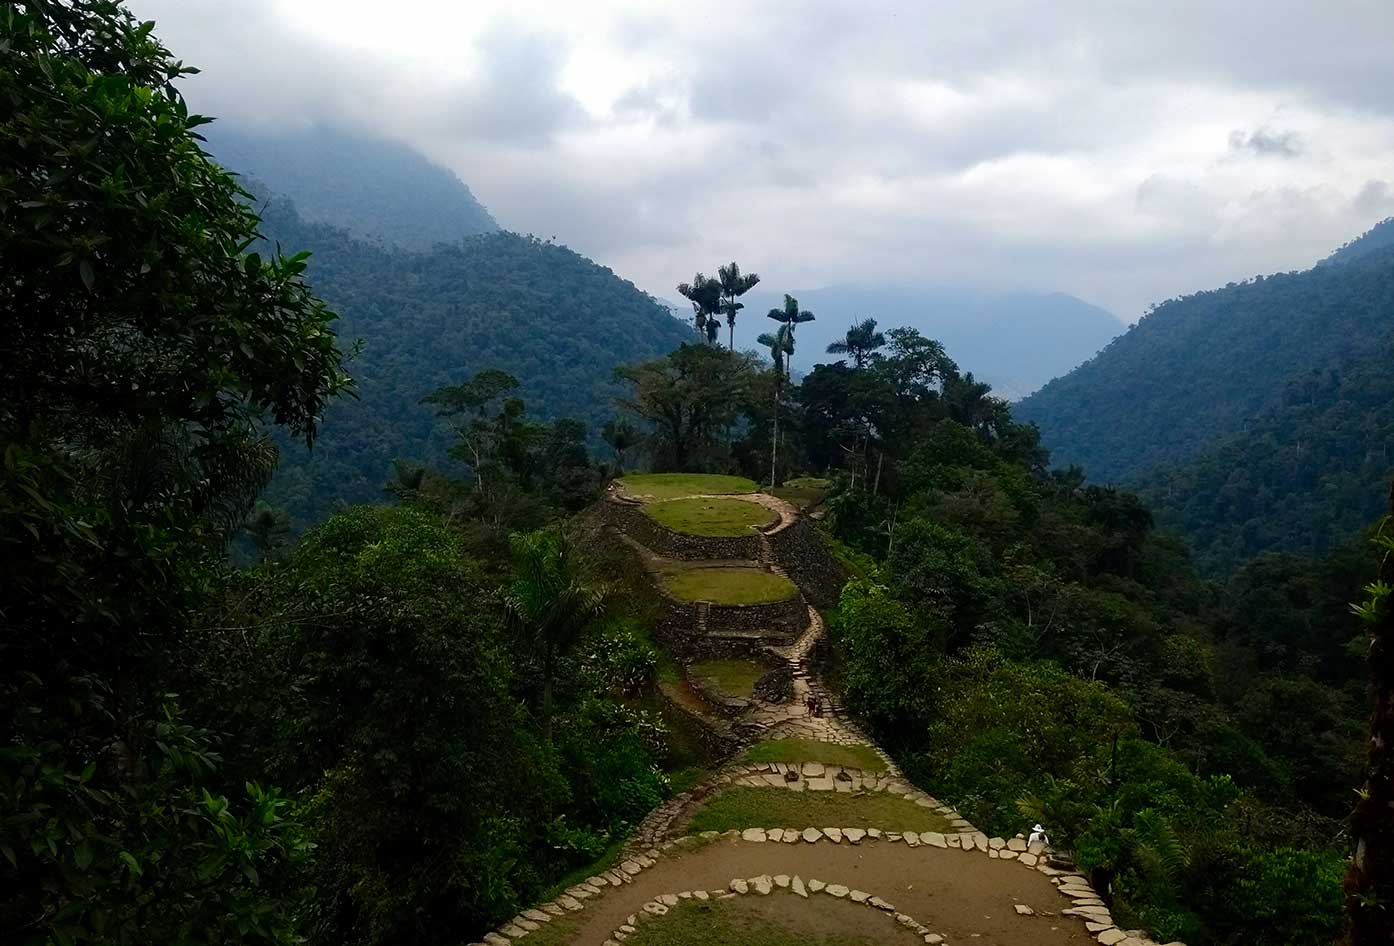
1158 846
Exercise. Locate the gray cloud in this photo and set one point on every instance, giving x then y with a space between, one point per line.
1078 147
1266 141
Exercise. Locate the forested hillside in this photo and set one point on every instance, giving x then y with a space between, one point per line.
374 188
1206 365
1305 476
1378 237
554 319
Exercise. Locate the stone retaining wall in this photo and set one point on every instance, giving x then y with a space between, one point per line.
782 621
630 518
804 556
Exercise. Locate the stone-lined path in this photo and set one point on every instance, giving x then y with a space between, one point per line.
958 886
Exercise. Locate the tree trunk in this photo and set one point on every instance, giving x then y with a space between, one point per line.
1369 884
547 692
774 439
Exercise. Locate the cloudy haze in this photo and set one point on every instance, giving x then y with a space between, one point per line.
1124 157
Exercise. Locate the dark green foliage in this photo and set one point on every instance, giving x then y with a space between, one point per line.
1304 476
376 189
1037 652
690 400
1205 365
142 351
409 721
1369 882
547 316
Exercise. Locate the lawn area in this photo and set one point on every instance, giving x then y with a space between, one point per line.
782 920
745 807
807 750
804 492
714 517
727 585
736 677
656 486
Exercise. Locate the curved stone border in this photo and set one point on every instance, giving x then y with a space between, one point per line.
763 886
1085 904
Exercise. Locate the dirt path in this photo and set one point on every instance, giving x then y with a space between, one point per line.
966 897
987 896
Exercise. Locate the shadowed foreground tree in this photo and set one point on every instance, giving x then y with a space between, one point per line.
1370 879
142 351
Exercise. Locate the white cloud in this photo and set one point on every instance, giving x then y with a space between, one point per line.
1123 152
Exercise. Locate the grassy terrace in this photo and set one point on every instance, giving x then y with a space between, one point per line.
736 677
726 584
804 492
807 750
761 921
711 517
745 807
659 486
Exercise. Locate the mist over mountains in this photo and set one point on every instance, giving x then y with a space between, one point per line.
373 188
1016 341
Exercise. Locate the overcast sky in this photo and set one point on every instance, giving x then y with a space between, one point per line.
1121 151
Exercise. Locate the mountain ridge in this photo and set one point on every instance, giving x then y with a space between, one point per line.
373 188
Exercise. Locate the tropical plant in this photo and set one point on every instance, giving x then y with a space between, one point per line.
705 296
861 342
734 284
790 316
551 601
1369 883
780 345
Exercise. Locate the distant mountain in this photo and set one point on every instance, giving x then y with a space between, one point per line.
374 188
1207 365
554 319
1016 341
1378 237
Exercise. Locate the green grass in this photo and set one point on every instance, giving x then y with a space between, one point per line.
657 486
712 517
727 585
751 921
804 492
745 807
560 932
736 677
807 750
604 862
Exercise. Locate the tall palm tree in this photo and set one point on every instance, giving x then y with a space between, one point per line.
780 344
734 284
790 316
861 341
705 296
550 601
